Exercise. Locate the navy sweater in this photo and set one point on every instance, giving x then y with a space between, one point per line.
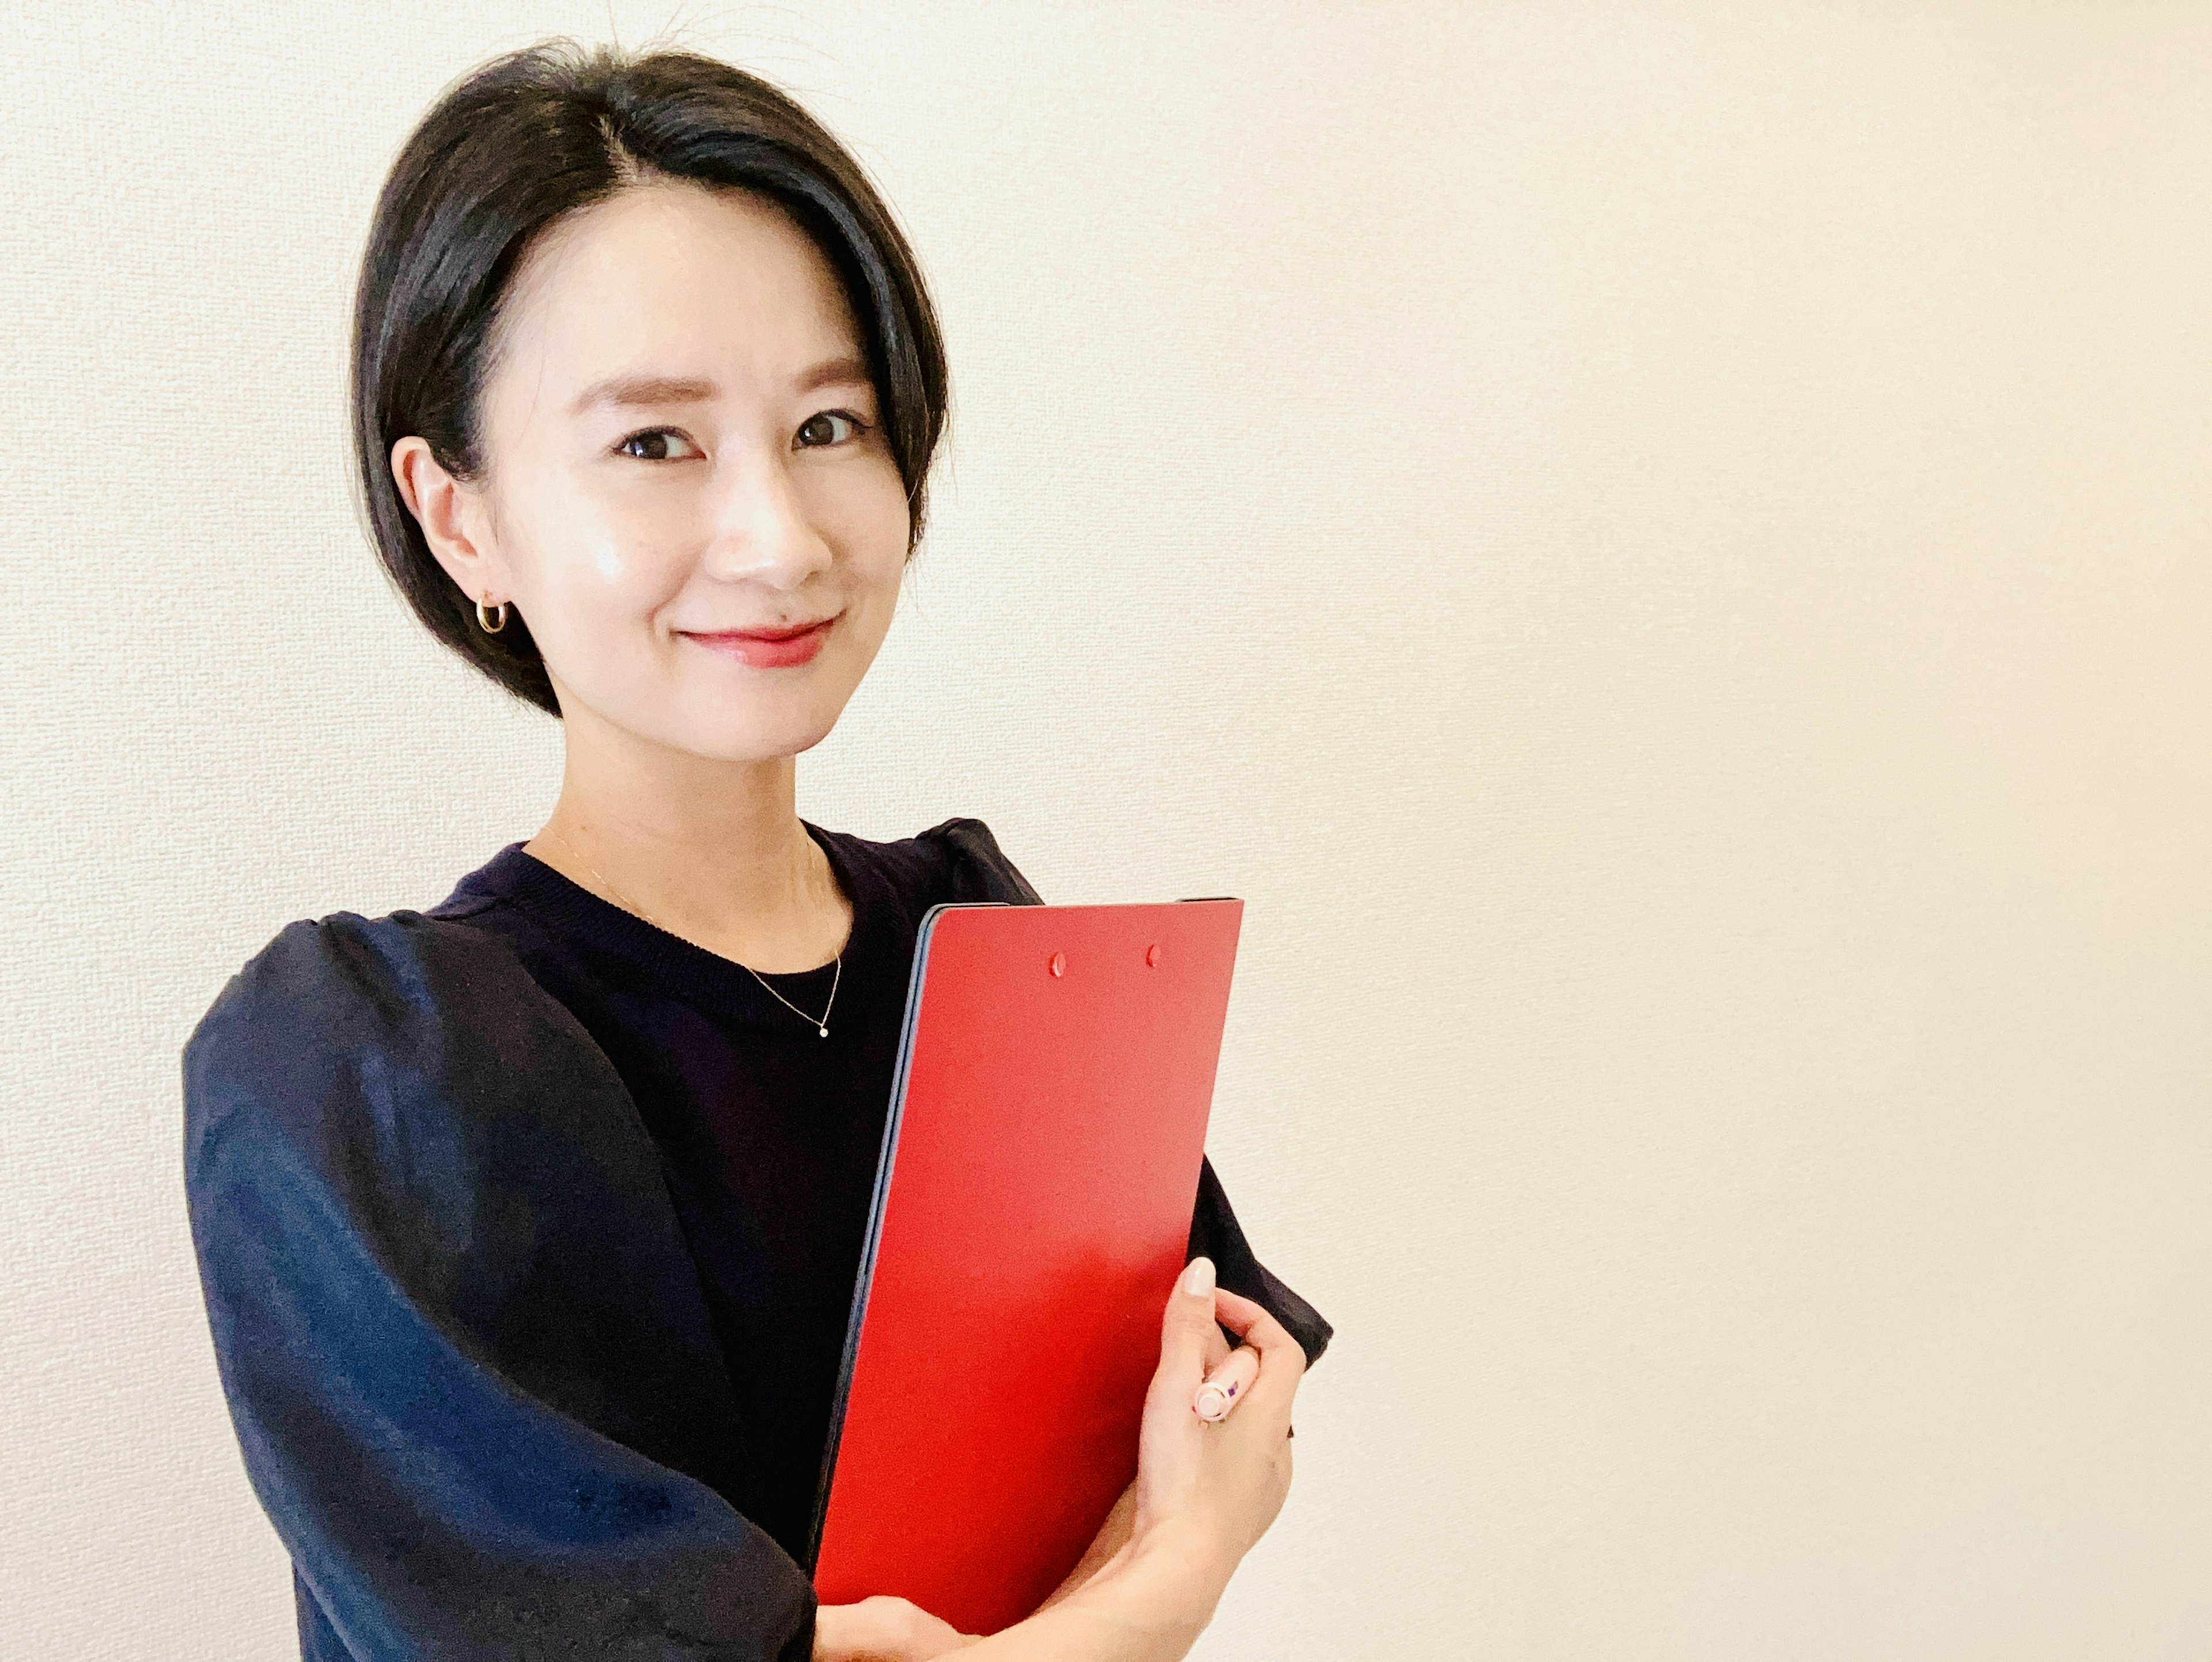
528 1233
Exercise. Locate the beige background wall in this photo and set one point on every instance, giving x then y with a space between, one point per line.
1663 549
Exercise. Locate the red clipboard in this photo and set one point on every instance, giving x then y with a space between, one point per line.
1032 1208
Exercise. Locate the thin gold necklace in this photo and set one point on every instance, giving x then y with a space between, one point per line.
820 1027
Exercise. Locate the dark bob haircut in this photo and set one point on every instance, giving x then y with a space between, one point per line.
513 147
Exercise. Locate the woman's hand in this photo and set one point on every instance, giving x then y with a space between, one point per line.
1120 1522
1105 1547
882 1629
1206 1490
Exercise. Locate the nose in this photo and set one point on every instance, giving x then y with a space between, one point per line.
761 531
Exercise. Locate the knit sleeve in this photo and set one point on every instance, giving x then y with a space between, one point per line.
980 868
419 1299
1215 1234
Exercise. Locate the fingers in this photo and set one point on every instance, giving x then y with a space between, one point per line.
1282 1360
1217 1346
884 1626
1224 1385
1252 1324
1188 1320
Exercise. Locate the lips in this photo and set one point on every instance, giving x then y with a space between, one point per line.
777 647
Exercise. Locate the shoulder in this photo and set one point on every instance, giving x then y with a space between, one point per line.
346 976
957 860
981 869
334 1000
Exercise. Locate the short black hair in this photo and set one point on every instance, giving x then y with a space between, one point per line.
514 145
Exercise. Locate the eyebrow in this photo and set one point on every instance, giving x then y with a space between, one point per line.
632 391
834 372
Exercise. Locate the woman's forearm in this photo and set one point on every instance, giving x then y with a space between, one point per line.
1148 1603
1106 1546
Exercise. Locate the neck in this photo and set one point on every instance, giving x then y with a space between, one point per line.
710 850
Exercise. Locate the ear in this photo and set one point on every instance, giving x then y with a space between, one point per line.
454 521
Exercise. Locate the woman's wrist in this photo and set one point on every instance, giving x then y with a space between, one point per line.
1148 1603
1170 1575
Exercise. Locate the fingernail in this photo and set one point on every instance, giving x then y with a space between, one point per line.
1198 1279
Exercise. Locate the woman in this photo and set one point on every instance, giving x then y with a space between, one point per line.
529 1224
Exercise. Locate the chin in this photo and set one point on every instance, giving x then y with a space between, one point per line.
724 723
762 739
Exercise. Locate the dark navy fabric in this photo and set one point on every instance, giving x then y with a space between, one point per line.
521 1225
768 1134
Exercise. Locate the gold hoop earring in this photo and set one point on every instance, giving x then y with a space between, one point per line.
486 624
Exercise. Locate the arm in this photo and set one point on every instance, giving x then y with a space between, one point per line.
1215 1234
1113 1535
416 1373
1204 1494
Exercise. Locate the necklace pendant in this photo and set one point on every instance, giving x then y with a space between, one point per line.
824 1031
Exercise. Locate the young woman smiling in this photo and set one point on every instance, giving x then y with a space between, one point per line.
528 1224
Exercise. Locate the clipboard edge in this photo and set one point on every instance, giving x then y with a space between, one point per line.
885 1159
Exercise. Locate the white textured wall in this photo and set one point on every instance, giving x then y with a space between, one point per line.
1663 549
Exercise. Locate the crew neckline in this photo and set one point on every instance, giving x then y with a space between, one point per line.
721 985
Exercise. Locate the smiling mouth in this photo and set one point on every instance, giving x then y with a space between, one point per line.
779 646
781 633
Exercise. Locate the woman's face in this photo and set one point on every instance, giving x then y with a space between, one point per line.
684 461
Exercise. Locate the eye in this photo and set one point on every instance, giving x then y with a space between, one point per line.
825 436
653 444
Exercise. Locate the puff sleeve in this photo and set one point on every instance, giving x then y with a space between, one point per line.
1215 1234
467 1360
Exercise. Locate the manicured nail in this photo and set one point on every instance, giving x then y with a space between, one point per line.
1198 1279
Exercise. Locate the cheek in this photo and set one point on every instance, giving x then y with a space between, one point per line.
866 521
614 544
594 568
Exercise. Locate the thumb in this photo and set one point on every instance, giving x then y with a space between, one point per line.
1189 1324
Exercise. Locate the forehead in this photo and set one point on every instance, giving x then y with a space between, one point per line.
674 277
